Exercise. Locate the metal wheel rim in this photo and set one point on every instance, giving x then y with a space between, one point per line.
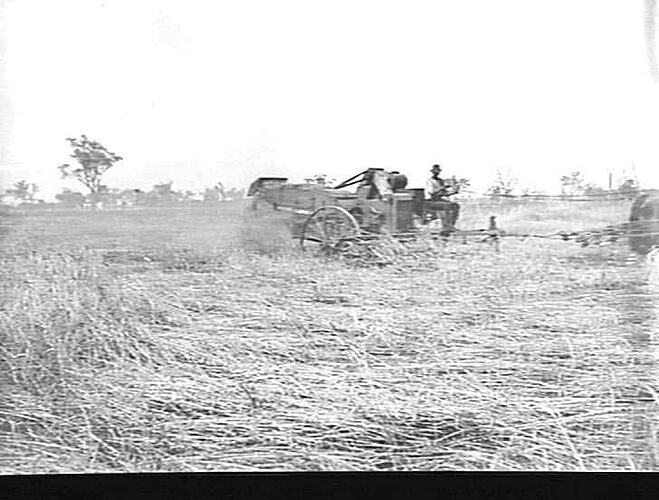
321 232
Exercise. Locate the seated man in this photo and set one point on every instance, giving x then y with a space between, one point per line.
437 192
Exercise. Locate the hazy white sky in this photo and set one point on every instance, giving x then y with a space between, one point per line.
197 92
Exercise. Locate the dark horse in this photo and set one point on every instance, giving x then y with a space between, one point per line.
644 222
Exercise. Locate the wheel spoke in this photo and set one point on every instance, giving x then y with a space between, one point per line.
325 232
320 227
328 228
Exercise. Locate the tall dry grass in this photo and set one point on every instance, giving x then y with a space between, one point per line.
64 320
258 357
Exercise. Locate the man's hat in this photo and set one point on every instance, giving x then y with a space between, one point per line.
435 168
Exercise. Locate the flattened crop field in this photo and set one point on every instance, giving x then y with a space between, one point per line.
201 338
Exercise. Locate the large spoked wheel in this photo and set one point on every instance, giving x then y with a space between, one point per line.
329 230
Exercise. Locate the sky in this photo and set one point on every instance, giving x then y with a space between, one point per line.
199 92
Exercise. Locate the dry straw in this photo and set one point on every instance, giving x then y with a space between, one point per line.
262 358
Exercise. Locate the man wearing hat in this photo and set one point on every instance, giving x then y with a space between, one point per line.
437 191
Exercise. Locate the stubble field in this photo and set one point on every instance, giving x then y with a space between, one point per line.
197 339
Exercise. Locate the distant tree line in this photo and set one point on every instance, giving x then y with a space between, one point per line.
93 160
159 195
22 192
572 184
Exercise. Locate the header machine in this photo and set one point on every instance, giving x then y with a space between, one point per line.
333 219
